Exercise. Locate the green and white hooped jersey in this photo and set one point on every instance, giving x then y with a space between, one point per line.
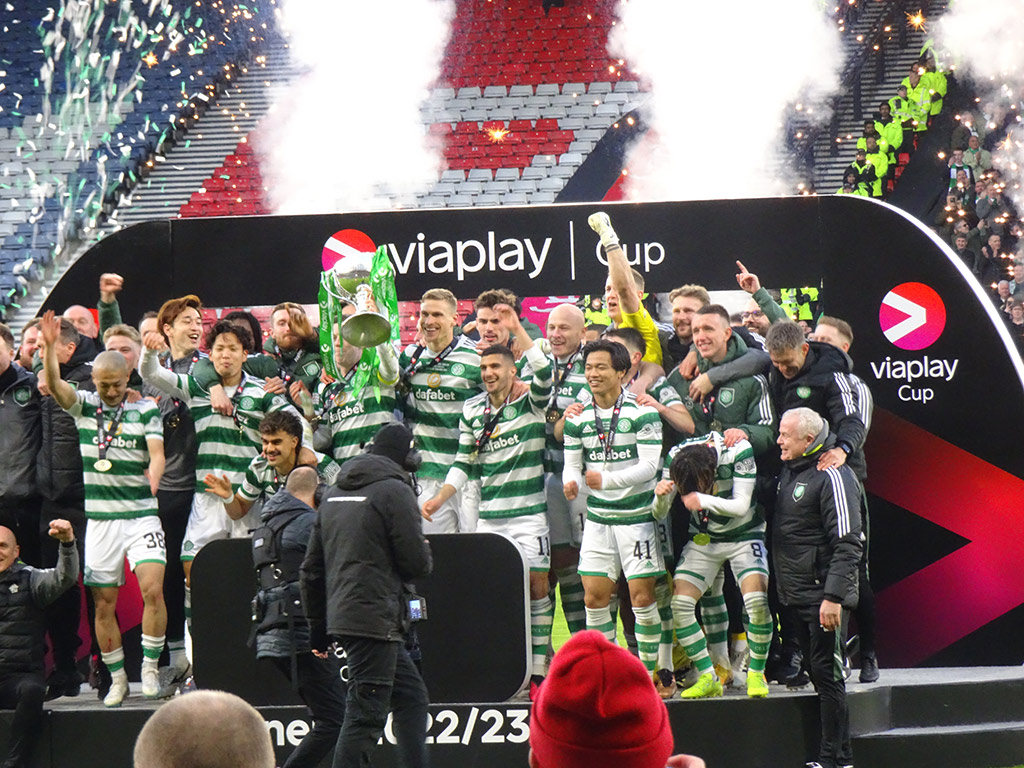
224 447
567 393
638 426
735 463
433 407
122 492
262 478
510 465
354 419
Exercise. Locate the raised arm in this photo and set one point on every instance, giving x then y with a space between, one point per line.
49 333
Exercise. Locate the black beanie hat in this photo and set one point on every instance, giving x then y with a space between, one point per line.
394 441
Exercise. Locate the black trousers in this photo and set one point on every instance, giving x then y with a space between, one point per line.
64 614
174 507
321 688
382 677
864 613
823 654
24 694
22 517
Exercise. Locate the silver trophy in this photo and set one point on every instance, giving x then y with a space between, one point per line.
367 327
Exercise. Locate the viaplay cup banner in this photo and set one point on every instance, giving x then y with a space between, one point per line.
944 457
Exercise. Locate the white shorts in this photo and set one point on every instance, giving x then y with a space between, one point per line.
446 519
565 518
207 522
108 542
609 550
469 507
699 565
530 532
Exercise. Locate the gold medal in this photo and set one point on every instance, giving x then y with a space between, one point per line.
553 415
702 539
102 465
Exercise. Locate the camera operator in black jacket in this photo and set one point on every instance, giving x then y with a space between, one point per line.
367 544
815 555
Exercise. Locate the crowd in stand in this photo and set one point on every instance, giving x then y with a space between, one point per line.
155 439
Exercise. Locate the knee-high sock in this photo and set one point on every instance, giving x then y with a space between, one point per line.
663 596
115 662
684 615
571 587
715 618
759 628
152 647
648 634
600 619
541 613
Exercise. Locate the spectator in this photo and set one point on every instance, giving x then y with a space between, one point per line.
24 592
991 259
865 172
956 164
964 129
1016 286
976 158
598 709
994 209
20 438
1003 298
969 257
1015 321
223 732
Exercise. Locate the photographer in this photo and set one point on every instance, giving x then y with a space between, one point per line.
367 543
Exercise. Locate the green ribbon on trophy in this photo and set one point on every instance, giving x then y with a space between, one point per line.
369 285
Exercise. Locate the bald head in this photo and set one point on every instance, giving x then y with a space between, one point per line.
205 729
82 319
302 484
566 325
111 362
8 548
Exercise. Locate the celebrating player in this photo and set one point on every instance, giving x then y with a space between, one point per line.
438 376
614 447
716 481
501 434
122 447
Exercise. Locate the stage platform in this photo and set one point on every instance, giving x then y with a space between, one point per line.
940 718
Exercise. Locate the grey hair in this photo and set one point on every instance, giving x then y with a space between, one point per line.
784 336
809 422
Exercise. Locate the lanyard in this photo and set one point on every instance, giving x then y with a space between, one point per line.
336 386
168 363
607 440
563 375
235 400
489 425
104 437
283 370
412 369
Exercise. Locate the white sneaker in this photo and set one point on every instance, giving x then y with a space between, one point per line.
599 222
150 681
118 692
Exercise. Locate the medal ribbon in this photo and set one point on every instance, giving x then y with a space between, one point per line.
491 424
606 440
562 377
236 399
412 370
104 437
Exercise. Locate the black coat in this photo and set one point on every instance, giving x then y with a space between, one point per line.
367 542
824 386
59 470
816 530
20 435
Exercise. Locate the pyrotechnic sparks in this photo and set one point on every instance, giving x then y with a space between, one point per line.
916 19
498 135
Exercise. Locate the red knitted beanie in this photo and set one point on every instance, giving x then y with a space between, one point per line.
598 708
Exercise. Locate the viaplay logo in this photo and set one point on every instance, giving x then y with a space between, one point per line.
912 316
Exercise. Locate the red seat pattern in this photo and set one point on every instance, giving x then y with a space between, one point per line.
233 189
